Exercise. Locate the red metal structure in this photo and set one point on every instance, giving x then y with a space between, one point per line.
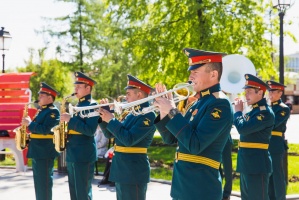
14 95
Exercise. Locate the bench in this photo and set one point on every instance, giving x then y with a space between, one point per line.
14 95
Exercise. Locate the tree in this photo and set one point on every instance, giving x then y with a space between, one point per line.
94 47
53 72
156 31
79 34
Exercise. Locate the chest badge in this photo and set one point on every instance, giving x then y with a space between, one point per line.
193 114
146 122
216 113
260 117
52 115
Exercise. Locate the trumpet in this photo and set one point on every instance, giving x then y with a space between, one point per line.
85 111
181 90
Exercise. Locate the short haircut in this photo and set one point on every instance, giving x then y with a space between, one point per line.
257 90
138 90
215 66
86 85
53 98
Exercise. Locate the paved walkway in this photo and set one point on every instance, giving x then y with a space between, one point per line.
16 186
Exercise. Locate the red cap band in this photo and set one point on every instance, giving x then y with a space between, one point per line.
256 85
51 92
84 80
139 86
276 87
205 59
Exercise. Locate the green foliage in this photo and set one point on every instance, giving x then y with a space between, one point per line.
293 148
157 31
52 72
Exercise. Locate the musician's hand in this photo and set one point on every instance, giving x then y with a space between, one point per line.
162 88
165 105
104 101
26 121
105 115
239 104
65 117
165 102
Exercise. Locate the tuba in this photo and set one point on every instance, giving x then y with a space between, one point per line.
234 68
21 131
60 131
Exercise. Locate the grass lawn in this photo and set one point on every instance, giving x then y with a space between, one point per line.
161 157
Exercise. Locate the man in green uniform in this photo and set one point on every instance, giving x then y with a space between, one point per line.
201 133
277 147
41 148
254 161
130 169
81 146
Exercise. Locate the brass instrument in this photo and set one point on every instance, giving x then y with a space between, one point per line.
85 111
60 131
21 131
181 90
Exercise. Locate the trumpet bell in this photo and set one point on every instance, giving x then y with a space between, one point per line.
184 92
234 68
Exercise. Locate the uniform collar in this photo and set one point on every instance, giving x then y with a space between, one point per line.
276 102
262 102
209 91
141 106
46 106
85 98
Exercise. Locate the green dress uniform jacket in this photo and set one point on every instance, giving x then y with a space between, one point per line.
82 147
42 151
134 131
46 118
255 127
282 114
201 134
277 147
254 161
81 151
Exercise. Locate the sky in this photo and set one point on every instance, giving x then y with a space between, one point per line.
22 17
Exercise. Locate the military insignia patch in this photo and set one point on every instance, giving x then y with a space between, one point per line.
82 99
260 117
255 105
137 107
187 53
283 113
262 107
52 115
216 113
205 93
146 122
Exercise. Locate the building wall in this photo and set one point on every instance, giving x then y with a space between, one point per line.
293 62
